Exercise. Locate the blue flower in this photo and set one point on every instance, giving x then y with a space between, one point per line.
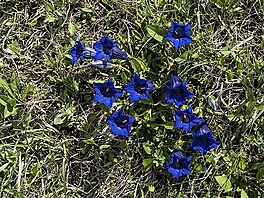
185 119
178 165
106 93
139 88
177 93
118 54
101 64
179 34
204 140
77 51
120 123
106 49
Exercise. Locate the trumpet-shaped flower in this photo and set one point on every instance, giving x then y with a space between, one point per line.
106 49
118 54
185 119
203 141
120 123
139 88
178 165
179 34
177 93
78 51
106 93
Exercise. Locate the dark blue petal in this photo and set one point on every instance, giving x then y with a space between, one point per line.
139 88
182 36
185 119
117 118
179 165
203 142
118 54
74 59
78 51
106 93
174 79
178 94
175 173
99 56
106 48
184 41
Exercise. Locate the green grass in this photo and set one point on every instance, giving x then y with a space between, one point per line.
54 142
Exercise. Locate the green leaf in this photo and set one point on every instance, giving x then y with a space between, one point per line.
14 84
71 29
138 65
160 158
243 194
49 7
9 106
59 119
242 164
26 91
9 110
3 101
123 145
87 10
50 19
104 146
257 166
147 148
225 51
260 107
147 163
260 174
169 125
14 47
19 195
6 87
156 32
224 182
249 94
90 141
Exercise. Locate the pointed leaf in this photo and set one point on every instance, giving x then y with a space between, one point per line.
224 182
156 32
147 163
71 29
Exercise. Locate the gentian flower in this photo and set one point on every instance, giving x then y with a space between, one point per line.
120 123
178 165
106 93
139 88
177 93
204 140
77 51
179 34
185 119
106 49
118 54
101 64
